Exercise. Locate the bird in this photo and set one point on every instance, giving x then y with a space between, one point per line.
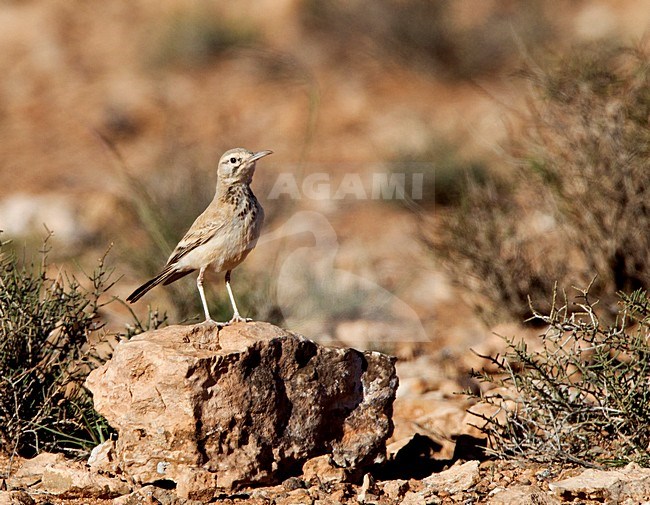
223 235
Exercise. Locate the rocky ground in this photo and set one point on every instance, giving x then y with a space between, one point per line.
184 394
492 482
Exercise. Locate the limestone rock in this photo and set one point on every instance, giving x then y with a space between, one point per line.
152 495
54 474
31 471
15 498
103 458
522 495
455 480
320 470
395 489
244 405
611 486
74 480
413 498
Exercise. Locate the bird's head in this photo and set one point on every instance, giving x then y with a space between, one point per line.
238 165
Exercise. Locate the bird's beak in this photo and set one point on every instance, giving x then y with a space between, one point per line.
259 155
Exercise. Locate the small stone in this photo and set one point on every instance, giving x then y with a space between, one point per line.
395 489
366 493
103 458
15 498
457 479
321 470
522 495
293 483
615 486
295 497
338 496
413 498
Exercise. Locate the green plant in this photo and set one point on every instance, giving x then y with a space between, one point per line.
45 355
582 396
50 328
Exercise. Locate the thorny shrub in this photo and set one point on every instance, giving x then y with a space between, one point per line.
48 327
582 395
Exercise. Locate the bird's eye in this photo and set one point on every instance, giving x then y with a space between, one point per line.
233 160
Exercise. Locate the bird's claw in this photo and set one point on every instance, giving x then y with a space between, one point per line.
235 319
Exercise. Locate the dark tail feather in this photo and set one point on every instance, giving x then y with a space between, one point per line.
166 276
176 275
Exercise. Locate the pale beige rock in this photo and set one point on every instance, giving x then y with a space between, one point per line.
522 495
395 489
244 404
103 458
54 474
413 498
321 470
455 480
152 495
15 498
611 486
367 492
73 480
31 471
295 497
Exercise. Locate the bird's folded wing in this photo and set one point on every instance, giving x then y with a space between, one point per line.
197 235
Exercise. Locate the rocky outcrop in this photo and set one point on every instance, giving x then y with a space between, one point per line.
247 404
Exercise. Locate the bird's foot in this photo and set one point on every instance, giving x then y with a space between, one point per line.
212 322
235 319
238 319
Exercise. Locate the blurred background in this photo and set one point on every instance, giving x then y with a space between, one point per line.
501 118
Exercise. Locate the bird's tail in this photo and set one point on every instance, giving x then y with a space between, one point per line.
169 274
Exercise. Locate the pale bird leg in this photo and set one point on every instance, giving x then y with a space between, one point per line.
199 285
236 318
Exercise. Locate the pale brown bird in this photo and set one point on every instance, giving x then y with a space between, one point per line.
223 235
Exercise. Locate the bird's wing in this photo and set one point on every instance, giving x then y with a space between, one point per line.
203 229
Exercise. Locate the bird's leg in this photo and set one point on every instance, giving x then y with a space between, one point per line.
236 318
199 285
